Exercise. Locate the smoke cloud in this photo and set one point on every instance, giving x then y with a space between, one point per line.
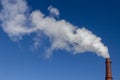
17 21
53 11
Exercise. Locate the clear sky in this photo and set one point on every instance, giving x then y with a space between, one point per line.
19 62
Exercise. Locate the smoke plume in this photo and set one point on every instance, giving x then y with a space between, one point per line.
17 21
53 11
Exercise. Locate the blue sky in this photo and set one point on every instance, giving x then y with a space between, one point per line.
102 17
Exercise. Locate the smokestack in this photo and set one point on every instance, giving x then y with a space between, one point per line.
108 69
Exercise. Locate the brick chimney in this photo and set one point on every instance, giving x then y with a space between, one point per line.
108 69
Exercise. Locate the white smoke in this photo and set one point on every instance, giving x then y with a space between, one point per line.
53 11
15 18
